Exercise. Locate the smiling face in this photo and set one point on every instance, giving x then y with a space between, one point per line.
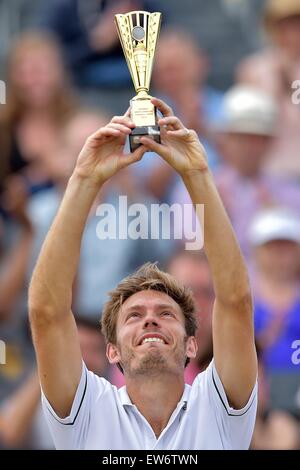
151 336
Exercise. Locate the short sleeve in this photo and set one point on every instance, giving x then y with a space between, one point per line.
238 425
71 432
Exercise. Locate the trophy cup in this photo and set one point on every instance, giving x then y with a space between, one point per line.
138 32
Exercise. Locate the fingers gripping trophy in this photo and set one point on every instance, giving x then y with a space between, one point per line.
138 32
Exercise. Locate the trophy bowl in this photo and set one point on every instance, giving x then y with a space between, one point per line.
138 32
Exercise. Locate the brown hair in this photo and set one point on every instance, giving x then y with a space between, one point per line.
62 106
276 10
147 277
64 101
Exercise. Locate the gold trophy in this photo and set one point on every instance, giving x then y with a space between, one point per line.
138 32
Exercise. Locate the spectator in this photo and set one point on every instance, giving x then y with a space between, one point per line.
22 424
39 101
275 238
247 131
18 412
274 428
16 240
191 268
14 263
180 74
89 38
274 69
93 346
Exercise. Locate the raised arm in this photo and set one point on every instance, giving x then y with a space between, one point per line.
18 413
233 333
12 279
50 295
15 261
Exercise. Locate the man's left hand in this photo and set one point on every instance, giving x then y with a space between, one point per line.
180 147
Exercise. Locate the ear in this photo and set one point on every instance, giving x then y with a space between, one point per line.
112 353
191 347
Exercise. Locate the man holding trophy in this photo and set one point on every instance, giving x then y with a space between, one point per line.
149 321
138 32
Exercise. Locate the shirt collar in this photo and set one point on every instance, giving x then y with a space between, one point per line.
125 400
124 397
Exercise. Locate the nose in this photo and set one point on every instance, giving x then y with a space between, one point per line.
150 320
150 323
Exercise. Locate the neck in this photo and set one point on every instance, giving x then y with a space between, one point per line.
156 397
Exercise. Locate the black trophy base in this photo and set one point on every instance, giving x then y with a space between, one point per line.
152 132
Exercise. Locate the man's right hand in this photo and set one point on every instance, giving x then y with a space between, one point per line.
103 153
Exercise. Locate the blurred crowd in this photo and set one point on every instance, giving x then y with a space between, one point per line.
60 73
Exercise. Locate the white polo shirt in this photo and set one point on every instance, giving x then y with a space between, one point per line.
103 417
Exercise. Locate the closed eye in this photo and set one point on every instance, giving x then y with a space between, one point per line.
167 314
133 315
